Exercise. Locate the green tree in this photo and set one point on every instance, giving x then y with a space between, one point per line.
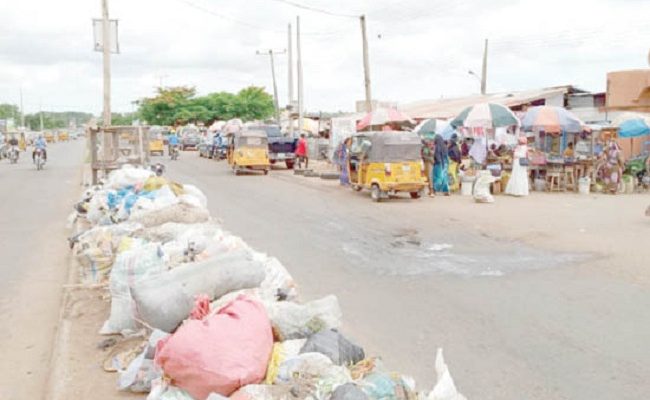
161 109
9 111
253 103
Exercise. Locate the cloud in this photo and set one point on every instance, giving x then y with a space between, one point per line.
418 49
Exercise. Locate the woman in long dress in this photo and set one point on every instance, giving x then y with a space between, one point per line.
454 163
613 167
518 183
441 167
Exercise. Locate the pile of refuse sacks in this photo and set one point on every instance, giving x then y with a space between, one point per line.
219 319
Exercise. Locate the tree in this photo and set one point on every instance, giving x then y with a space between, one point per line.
253 103
9 111
161 109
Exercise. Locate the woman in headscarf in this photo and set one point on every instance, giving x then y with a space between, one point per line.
454 163
518 183
613 166
440 167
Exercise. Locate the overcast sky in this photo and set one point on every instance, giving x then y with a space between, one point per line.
419 49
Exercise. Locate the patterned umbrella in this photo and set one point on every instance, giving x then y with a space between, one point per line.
485 116
429 128
551 119
383 116
631 125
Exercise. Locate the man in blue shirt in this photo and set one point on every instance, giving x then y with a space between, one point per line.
41 144
173 141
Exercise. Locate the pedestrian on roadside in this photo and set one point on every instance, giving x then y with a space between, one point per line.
427 158
301 152
440 167
454 162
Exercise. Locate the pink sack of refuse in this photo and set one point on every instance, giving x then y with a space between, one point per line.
220 353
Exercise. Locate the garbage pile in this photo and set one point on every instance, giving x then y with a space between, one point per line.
220 320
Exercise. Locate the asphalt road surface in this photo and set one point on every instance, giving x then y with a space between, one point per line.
515 322
33 263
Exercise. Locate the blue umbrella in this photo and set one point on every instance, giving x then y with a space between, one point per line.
632 128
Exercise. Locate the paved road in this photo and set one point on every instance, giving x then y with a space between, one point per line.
33 253
515 322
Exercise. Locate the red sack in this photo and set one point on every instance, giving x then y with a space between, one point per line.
221 353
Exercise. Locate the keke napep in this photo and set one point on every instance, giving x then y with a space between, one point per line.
248 150
387 163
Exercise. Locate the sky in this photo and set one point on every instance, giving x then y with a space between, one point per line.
419 49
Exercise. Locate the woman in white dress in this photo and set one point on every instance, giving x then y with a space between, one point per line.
518 183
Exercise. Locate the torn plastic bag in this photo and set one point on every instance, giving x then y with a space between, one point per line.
445 388
128 175
281 352
298 321
380 385
141 372
132 266
165 300
335 346
220 353
278 283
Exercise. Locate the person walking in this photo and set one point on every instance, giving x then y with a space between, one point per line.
454 163
301 152
518 182
427 158
440 167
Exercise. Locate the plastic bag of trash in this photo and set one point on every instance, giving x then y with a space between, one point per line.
281 352
278 283
141 372
445 389
194 193
162 391
297 321
220 353
132 266
128 175
180 213
165 300
335 346
349 391
314 367
380 385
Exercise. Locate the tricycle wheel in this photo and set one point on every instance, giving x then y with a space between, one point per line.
416 195
289 164
356 188
375 193
266 172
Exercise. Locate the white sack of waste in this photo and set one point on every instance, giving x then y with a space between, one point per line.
278 283
180 213
165 300
297 321
311 365
173 230
128 175
445 388
192 194
131 266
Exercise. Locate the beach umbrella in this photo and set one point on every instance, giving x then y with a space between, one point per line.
631 125
485 116
383 116
429 128
551 119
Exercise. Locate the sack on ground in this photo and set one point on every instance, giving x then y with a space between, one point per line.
297 321
179 213
165 300
221 353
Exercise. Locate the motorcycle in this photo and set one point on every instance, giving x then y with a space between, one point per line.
173 153
39 159
13 155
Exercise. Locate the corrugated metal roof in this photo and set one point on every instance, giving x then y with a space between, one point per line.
449 108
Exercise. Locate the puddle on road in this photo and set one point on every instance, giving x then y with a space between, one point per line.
408 253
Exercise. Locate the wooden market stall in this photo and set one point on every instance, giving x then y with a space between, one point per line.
114 146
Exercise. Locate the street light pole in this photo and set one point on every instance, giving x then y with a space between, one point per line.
275 86
106 50
366 64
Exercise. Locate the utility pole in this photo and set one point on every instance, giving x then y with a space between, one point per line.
484 69
22 110
276 102
40 113
290 79
366 64
300 88
106 36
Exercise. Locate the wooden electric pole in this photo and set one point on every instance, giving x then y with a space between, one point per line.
300 88
270 53
484 69
366 64
106 50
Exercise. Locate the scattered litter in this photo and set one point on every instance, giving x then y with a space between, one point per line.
298 321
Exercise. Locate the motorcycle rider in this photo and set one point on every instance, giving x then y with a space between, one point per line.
173 141
41 144
13 144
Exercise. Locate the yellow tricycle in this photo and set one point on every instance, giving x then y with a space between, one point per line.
248 150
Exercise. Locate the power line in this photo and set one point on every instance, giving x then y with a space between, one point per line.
315 9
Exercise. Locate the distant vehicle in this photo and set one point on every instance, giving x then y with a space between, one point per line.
74 135
205 149
248 151
156 142
190 137
38 159
49 137
282 148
